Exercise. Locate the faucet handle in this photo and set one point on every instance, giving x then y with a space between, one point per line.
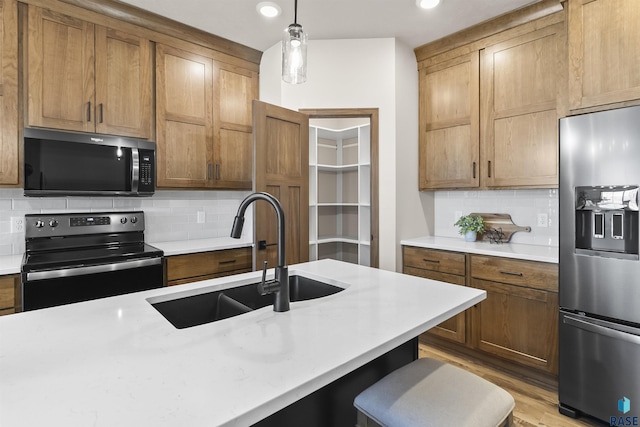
264 272
263 286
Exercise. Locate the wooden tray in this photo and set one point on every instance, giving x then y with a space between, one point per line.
500 222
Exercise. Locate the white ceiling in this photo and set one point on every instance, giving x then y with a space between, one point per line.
237 20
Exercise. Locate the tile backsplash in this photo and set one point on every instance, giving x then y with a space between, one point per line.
169 215
526 208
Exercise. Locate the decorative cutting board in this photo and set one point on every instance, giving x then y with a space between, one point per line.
500 222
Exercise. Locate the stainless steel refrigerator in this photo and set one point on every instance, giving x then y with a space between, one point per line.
599 327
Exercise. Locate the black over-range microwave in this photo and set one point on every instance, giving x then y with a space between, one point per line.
80 164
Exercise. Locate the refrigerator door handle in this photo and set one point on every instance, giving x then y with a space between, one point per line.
601 330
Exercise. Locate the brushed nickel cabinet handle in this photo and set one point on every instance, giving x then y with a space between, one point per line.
229 261
209 171
431 260
510 273
101 115
218 171
89 111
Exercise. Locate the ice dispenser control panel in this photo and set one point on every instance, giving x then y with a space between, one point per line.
607 221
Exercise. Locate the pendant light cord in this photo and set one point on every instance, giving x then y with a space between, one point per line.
295 11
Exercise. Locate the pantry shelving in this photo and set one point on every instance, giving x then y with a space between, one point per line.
340 193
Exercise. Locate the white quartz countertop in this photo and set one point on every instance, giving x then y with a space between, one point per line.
117 361
506 250
200 245
10 264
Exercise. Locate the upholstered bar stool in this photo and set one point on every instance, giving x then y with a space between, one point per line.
431 393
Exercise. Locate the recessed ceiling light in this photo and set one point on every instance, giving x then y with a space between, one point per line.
427 4
268 9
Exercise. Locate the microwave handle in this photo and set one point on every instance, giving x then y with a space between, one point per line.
135 170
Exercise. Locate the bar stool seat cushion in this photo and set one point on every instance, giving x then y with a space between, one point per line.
431 393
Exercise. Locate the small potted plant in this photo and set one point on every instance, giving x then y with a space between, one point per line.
470 225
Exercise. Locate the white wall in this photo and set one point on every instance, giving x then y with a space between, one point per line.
524 206
414 209
361 73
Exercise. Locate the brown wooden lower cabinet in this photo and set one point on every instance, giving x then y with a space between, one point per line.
518 321
207 265
443 266
9 294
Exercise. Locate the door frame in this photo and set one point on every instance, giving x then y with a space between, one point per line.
372 115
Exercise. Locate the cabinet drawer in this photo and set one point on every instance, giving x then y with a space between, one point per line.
434 260
435 275
207 263
538 275
7 292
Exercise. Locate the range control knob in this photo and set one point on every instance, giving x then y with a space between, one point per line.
53 223
134 219
39 223
123 220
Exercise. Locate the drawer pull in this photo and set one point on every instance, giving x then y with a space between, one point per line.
431 260
229 261
510 273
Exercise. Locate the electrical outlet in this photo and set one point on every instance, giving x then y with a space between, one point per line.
17 224
543 220
201 217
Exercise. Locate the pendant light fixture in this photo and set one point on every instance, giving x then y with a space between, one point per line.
294 52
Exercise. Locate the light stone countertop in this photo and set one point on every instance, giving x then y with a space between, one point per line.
506 250
10 264
200 245
117 361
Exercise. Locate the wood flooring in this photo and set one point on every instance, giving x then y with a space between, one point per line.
536 404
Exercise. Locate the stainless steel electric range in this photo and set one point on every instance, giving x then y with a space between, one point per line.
74 257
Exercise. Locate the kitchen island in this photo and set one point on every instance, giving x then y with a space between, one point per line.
117 361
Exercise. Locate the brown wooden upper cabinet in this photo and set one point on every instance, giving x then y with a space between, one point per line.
489 109
9 160
519 97
450 123
85 77
235 89
604 52
203 121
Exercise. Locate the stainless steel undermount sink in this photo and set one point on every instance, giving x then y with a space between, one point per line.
194 310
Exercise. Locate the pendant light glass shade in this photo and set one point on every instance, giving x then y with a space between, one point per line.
294 53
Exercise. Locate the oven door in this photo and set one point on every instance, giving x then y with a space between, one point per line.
49 288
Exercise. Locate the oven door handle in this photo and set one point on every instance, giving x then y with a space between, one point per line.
92 269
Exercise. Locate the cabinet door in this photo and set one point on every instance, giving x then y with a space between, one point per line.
9 166
9 287
518 324
60 71
443 266
520 85
123 84
604 52
450 124
235 89
184 123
